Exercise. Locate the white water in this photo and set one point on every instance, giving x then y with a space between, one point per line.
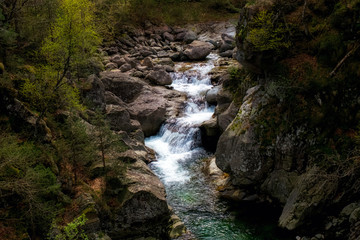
179 139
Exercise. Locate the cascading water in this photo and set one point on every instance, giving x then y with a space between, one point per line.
179 162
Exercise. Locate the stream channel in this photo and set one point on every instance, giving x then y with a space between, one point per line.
180 162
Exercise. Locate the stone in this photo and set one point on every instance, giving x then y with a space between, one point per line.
238 151
228 54
164 61
279 184
162 54
111 66
149 109
180 36
210 134
189 37
111 98
160 77
225 47
122 85
125 68
225 118
118 60
198 50
119 118
307 198
228 38
169 37
148 63
211 95
142 209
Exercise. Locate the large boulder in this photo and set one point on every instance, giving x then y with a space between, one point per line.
149 109
190 36
198 50
238 151
142 210
160 77
122 85
211 95
119 118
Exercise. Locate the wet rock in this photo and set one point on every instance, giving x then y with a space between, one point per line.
210 134
211 95
226 47
160 77
198 50
164 61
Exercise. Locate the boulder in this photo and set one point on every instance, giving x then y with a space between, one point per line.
118 60
211 95
111 66
122 85
112 99
142 209
189 37
226 117
225 47
148 63
160 77
307 199
238 151
119 118
228 54
169 37
198 50
149 109
210 134
164 61
126 67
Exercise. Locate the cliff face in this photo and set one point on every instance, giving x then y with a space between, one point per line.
294 138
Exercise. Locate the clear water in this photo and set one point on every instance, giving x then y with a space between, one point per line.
180 161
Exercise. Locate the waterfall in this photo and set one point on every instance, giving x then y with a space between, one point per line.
179 161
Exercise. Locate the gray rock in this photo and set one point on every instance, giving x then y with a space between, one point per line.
160 77
169 37
126 67
142 209
198 50
189 37
119 118
225 118
148 63
111 66
122 85
164 61
118 60
228 54
180 36
112 99
225 47
211 95
162 54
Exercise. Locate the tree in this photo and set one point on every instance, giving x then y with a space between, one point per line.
105 139
71 43
77 146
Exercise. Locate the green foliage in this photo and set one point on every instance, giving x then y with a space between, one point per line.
265 34
26 184
105 139
41 92
240 81
73 38
73 230
77 146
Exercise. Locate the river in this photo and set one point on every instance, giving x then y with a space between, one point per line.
180 160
